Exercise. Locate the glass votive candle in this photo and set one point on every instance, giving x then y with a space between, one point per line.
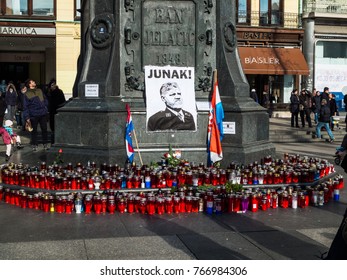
143 205
68 205
111 206
195 204
97 204
188 204
176 204
45 204
160 205
23 200
88 203
30 201
285 200
168 205
103 203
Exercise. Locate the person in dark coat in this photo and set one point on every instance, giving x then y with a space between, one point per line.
333 109
323 120
11 101
305 107
173 117
316 100
325 94
2 108
56 100
294 108
254 95
35 112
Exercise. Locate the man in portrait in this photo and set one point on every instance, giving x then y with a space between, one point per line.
173 117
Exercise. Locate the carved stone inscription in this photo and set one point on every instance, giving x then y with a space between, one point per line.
168 33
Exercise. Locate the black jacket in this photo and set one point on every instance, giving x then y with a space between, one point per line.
294 103
324 114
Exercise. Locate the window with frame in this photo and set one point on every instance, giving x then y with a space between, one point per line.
77 9
243 14
32 8
271 12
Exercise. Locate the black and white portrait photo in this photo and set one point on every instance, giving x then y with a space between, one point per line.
170 98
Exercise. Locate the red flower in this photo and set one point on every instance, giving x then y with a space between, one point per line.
60 151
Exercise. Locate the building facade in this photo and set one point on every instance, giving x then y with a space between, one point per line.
325 45
40 40
270 36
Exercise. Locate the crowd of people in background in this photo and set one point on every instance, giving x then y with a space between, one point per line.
28 106
322 106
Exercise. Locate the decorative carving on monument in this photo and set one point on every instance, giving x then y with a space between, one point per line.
102 30
129 5
230 36
208 6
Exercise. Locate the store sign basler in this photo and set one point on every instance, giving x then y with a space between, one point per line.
26 31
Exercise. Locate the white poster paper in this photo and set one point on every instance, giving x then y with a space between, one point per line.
170 98
91 90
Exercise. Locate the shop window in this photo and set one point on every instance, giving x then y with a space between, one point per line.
43 7
243 8
271 12
77 9
25 8
334 49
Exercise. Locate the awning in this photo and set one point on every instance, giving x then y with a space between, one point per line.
273 61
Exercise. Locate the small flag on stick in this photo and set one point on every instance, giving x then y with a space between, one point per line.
128 131
215 126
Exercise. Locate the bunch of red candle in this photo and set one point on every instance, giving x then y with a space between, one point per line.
290 169
183 200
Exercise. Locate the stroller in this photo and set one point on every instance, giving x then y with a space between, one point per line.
337 156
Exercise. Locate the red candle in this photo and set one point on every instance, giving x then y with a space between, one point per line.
151 205
143 205
68 206
111 206
88 204
188 204
160 206
176 204
131 204
168 205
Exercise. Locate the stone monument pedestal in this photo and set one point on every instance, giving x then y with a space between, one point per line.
118 39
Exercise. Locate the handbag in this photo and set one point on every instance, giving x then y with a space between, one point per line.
28 127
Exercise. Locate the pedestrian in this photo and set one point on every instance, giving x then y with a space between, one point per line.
35 112
254 95
323 121
305 107
325 94
294 108
6 138
56 100
316 100
15 139
333 110
11 101
19 111
2 108
3 87
266 102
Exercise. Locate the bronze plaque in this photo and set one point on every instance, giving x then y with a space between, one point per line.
168 33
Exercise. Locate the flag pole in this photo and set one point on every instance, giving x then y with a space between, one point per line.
214 76
137 146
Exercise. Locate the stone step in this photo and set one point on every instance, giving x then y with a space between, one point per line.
281 132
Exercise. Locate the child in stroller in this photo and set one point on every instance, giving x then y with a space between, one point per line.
341 151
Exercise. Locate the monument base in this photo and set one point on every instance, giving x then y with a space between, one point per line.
94 130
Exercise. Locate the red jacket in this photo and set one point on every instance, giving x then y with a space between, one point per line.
5 136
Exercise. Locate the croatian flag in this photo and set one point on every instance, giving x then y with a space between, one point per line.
128 130
215 126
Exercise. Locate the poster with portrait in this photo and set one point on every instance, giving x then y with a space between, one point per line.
170 98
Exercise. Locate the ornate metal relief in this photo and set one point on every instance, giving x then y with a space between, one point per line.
102 31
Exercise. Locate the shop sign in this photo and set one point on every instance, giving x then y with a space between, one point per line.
257 36
27 31
22 57
261 60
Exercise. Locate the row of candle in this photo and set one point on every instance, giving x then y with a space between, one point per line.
292 169
184 200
